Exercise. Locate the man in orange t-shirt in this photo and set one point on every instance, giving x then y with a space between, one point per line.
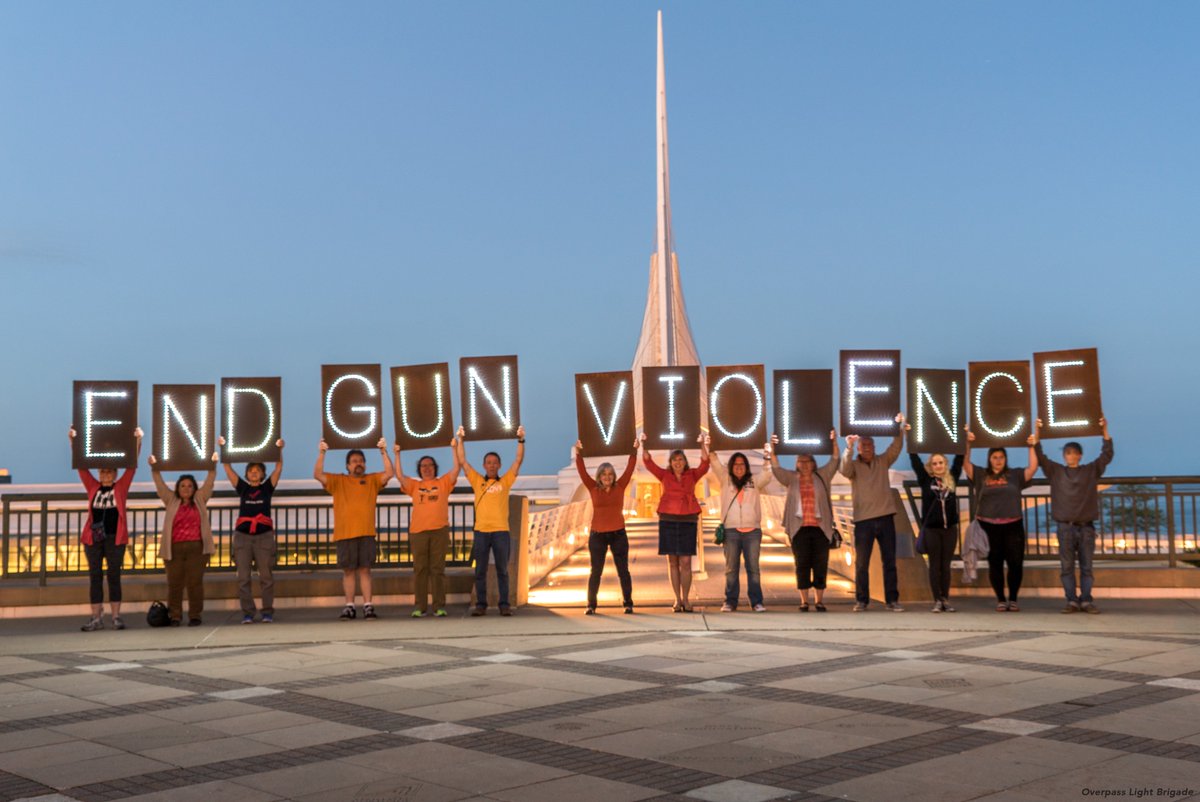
354 494
429 528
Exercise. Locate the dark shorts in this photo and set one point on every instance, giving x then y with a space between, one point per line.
677 537
356 552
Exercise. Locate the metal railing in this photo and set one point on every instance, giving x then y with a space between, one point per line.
555 534
1141 518
39 533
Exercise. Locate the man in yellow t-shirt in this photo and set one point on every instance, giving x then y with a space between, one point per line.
354 494
491 520
429 529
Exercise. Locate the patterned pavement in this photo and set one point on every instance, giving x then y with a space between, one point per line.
554 705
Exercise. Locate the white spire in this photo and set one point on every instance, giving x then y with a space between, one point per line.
666 334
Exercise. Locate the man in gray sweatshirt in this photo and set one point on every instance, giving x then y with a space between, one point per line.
871 488
1075 506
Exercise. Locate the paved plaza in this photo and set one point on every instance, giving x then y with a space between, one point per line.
551 704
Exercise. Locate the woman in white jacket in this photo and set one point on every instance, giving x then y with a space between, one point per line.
741 514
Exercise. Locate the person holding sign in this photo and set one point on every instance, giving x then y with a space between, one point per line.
808 518
429 528
874 509
254 534
354 494
187 542
105 535
678 516
998 510
607 529
939 520
491 536
741 515
1075 505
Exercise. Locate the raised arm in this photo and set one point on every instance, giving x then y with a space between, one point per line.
388 470
827 470
399 467
275 474
456 467
160 486
1106 448
1031 469
580 466
230 473
919 468
704 440
968 468
847 463
897 445
206 489
517 460
460 450
623 481
649 462
718 467
319 468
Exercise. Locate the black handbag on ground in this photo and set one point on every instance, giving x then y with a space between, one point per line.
157 615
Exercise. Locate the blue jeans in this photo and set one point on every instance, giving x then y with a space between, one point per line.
1076 541
498 544
866 533
739 546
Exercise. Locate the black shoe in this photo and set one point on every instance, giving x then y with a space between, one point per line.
348 613
629 609
478 611
175 622
369 613
590 611
506 610
194 622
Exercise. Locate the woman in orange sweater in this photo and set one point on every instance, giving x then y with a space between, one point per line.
678 517
608 524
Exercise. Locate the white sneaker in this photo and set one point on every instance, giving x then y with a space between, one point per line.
860 607
895 607
760 608
726 608
937 607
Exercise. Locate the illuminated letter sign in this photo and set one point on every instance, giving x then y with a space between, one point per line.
870 391
936 410
1068 394
104 416
183 424
803 411
421 405
251 410
671 405
604 412
351 405
491 406
999 403
736 407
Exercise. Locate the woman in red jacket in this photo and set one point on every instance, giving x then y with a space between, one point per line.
678 516
104 536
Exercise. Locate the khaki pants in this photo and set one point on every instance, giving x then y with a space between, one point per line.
259 550
429 564
186 569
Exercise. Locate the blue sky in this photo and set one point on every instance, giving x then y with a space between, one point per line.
191 191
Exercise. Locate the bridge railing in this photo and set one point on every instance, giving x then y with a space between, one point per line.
1141 518
39 533
555 534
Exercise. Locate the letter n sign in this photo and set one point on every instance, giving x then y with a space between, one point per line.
737 407
999 403
604 412
491 403
671 406
104 418
251 419
351 404
421 405
937 409
184 426
870 392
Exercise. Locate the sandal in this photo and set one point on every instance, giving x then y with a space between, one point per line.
820 607
1013 607
678 608
1002 607
804 607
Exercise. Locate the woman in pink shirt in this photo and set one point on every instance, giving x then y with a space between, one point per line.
187 542
678 516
